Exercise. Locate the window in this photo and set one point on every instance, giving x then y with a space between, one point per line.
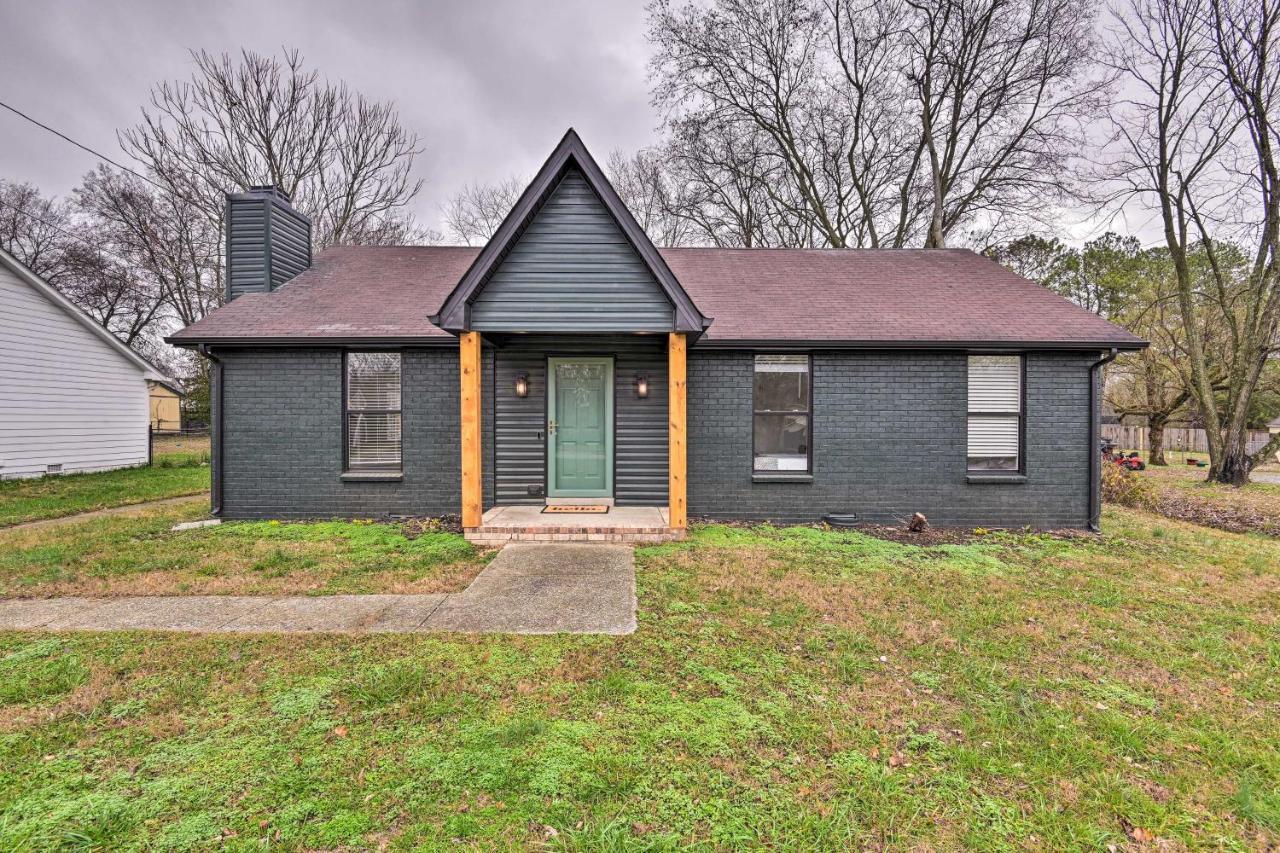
995 413
373 411
781 427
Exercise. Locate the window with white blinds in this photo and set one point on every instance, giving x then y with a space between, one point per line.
995 412
373 410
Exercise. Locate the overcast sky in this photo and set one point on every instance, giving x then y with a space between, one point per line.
488 85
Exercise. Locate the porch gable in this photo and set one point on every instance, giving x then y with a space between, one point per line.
572 270
569 257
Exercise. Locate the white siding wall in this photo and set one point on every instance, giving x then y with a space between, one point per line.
66 397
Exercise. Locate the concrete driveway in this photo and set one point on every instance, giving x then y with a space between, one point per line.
527 589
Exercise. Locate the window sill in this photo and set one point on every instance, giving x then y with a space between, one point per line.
983 479
760 477
372 476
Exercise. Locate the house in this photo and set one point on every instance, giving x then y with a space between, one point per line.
72 397
166 405
571 360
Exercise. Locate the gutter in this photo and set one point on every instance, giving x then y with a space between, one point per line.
783 344
215 431
316 342
1095 457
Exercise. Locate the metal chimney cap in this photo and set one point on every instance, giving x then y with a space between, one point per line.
270 189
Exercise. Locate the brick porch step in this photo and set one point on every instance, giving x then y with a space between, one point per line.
625 525
497 536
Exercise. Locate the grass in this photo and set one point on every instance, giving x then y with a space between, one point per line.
162 445
1182 492
139 554
787 687
172 474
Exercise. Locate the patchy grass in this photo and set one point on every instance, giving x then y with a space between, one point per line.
1181 492
787 688
165 444
139 554
184 472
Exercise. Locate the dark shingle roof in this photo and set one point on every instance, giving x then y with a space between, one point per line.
860 296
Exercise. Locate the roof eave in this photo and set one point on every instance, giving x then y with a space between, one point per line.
916 343
318 341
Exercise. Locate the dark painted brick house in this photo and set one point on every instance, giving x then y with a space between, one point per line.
571 361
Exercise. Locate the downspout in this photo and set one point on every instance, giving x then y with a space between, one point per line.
215 431
1095 441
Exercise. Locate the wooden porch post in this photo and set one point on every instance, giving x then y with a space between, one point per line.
677 447
469 372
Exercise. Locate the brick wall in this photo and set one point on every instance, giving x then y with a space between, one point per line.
889 435
282 454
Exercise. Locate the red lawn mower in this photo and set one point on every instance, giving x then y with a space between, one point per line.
1133 462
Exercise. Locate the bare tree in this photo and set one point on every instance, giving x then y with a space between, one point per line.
1197 141
250 120
74 249
645 184
728 186
472 214
1152 383
165 242
34 229
890 122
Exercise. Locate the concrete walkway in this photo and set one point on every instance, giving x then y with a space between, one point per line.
99 513
527 589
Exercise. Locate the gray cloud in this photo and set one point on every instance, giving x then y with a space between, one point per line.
489 86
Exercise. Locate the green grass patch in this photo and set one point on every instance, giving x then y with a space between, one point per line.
787 688
171 475
141 554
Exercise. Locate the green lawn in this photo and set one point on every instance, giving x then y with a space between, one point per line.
172 475
139 554
786 687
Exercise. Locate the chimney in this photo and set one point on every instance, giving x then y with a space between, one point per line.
268 242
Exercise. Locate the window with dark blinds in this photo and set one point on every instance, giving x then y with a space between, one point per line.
995 412
780 429
373 411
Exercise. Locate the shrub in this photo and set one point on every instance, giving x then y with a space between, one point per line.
1125 487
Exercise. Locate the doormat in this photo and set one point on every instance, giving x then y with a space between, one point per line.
583 508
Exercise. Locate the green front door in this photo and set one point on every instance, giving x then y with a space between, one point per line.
580 427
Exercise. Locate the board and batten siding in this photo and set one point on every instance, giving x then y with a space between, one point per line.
67 398
572 270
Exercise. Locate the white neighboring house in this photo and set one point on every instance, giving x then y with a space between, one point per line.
72 397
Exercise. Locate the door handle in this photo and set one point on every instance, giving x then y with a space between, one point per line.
551 427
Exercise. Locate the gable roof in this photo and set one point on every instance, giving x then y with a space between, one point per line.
454 314
170 385
870 298
47 290
883 297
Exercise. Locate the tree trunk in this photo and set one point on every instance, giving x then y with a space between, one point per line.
1155 430
1234 464
936 238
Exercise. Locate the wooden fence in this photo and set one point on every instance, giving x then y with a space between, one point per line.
1175 438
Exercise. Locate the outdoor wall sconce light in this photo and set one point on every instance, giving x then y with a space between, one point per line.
642 386
522 386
